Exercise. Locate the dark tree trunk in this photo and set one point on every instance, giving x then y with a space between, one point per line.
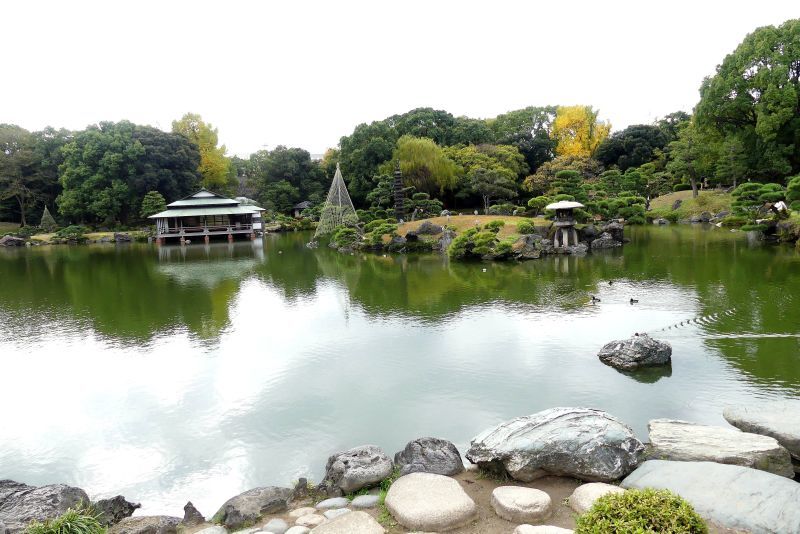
21 203
693 181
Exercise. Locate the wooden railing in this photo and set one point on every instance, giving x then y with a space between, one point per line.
209 229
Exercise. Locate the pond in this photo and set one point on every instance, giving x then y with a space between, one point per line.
194 373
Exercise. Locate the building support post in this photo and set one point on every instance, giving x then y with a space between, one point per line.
159 241
206 238
183 241
230 238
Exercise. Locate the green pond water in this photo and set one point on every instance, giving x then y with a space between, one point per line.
195 373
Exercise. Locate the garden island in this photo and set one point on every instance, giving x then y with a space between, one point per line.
355 341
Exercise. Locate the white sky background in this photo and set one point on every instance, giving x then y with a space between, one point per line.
303 73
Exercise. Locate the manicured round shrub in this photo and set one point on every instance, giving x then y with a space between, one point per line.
681 187
641 511
494 226
526 227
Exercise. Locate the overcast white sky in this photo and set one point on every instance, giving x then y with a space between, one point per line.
303 73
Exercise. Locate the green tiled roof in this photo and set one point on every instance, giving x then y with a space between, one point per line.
200 211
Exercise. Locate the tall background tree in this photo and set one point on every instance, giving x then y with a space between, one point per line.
755 97
215 167
577 131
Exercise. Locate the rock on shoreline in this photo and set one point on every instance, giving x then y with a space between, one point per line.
20 503
583 443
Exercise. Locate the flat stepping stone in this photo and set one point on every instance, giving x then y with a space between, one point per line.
365 501
352 523
778 419
541 529
275 526
521 505
300 512
335 502
298 530
585 495
310 520
213 530
429 502
736 497
689 442
332 514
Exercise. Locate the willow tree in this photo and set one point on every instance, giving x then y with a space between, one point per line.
424 165
577 132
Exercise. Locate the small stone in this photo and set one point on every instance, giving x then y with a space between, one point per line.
356 468
250 530
310 520
352 523
333 514
212 530
541 529
335 502
424 501
365 501
585 495
276 526
153 524
519 505
298 530
429 455
300 512
113 510
252 505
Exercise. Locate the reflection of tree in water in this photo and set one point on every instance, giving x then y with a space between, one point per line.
122 292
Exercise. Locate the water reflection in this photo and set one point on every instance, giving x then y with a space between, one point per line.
178 373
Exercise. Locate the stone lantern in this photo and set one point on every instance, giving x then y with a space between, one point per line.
566 234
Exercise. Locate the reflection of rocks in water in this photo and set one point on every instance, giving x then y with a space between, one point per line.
649 375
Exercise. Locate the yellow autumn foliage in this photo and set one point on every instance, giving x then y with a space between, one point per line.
214 165
577 131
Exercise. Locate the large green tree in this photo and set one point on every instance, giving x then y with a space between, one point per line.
693 155
755 96
424 165
108 169
631 147
19 176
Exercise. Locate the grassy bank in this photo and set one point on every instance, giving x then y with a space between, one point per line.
707 201
6 227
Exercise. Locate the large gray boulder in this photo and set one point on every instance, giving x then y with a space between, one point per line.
356 468
11 241
638 351
20 503
777 419
688 442
429 455
428 228
730 495
250 506
583 443
605 241
115 509
148 524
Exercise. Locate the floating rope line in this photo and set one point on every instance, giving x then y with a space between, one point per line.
704 320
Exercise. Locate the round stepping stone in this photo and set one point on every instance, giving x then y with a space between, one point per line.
352 523
213 530
335 502
333 514
276 526
584 495
298 530
300 512
424 501
521 505
310 520
365 501
541 529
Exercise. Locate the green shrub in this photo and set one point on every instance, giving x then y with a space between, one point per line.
681 187
73 232
80 520
734 221
526 227
345 238
48 223
537 204
370 226
662 213
504 209
26 231
754 228
641 511
494 226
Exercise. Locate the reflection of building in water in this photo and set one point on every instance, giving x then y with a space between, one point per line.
206 214
564 222
209 265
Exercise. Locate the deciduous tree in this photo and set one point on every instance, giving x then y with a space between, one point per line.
577 131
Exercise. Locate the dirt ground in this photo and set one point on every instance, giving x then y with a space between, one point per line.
480 488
